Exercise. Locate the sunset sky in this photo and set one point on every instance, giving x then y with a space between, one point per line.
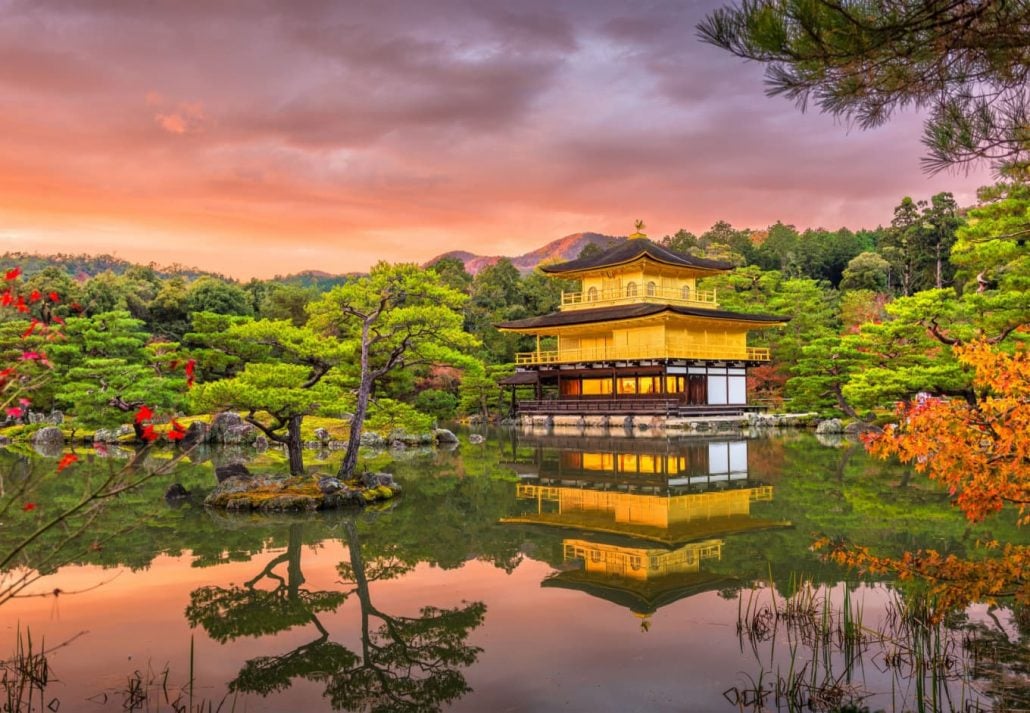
256 138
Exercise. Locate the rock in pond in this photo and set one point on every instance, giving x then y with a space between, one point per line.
231 470
442 435
263 493
48 435
830 425
176 491
477 438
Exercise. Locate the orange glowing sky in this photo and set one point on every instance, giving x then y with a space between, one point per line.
264 138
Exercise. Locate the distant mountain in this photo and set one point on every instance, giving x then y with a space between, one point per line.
560 250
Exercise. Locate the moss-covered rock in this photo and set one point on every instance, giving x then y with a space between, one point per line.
294 494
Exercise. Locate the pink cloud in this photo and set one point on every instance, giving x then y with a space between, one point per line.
328 135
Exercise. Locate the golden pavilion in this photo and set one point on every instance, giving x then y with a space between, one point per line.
640 516
638 337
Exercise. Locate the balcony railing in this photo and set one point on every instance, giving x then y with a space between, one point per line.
578 356
637 294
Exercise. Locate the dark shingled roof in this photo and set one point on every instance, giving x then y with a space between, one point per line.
629 250
633 311
641 597
521 378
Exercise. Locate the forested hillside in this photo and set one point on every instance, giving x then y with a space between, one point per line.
873 313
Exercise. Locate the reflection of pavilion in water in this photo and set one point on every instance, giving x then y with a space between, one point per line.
646 513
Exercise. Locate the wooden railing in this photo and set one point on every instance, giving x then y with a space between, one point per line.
593 354
602 298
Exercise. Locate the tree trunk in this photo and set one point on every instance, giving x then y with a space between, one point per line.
940 282
350 458
294 577
357 565
842 404
294 446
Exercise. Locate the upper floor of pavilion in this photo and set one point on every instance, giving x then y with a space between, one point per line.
638 271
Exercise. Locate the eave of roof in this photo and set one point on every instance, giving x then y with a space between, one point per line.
571 318
631 250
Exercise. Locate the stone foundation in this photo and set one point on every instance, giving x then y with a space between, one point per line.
662 426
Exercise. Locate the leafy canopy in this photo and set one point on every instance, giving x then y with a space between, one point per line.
966 63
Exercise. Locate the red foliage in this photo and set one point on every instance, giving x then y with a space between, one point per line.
29 507
177 433
144 414
66 461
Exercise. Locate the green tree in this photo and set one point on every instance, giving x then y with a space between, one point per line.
288 302
397 317
866 271
964 63
209 294
826 365
107 367
779 250
497 296
290 381
941 221
453 273
900 245
992 251
903 358
682 242
169 315
480 394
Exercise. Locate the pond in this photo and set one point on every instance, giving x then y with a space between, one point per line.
524 573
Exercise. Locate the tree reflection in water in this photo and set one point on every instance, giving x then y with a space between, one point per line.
405 664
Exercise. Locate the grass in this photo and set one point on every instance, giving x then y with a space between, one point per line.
814 647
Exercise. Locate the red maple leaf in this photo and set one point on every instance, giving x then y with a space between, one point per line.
177 433
15 412
149 434
28 507
144 414
20 304
191 366
7 299
13 273
66 461
54 297
32 328
35 296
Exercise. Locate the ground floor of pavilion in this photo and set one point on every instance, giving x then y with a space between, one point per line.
646 387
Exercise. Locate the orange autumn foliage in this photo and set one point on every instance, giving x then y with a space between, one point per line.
981 452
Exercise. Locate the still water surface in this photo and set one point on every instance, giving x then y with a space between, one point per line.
527 573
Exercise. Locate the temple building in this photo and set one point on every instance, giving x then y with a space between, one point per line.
642 521
638 337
